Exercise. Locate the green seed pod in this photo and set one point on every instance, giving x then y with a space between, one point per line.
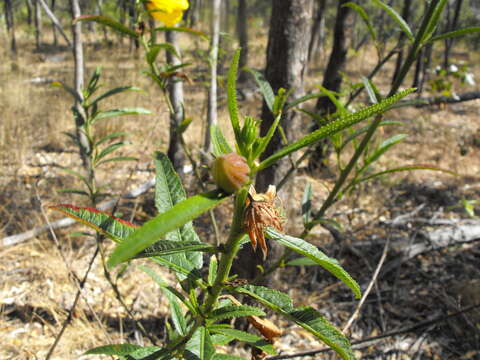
230 172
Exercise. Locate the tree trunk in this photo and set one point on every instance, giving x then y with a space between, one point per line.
242 32
287 54
54 28
318 30
29 11
55 23
212 93
10 22
332 78
175 93
84 146
453 25
38 24
401 39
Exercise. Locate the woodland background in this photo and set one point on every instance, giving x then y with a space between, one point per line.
419 228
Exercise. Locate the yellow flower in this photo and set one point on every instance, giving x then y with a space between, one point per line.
169 12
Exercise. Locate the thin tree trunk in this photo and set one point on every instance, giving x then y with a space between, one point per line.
54 20
287 54
175 93
242 33
84 146
29 11
54 26
318 29
212 93
401 39
10 22
38 24
453 26
99 11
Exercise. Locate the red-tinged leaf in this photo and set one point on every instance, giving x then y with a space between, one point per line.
107 21
113 227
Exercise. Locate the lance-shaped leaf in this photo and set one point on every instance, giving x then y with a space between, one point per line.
219 143
159 226
232 96
120 112
251 339
231 311
107 21
200 346
396 17
265 88
306 317
456 33
112 92
168 192
111 226
312 252
334 127
167 247
119 349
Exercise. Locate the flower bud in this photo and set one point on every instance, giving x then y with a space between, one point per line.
230 172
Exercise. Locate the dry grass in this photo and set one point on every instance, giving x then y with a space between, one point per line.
36 289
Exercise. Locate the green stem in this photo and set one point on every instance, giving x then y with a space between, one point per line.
231 248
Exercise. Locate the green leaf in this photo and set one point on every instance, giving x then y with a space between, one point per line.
170 292
397 18
182 29
271 298
308 318
68 89
308 250
118 349
433 20
107 21
219 143
372 91
73 191
263 142
334 127
166 247
363 14
232 96
120 112
383 147
111 226
200 346
180 214
231 311
456 33
312 321
307 203
212 270
251 339
302 261
114 91
169 192
117 158
219 356
155 49
364 129
149 353
110 149
79 176
111 136
265 88
302 99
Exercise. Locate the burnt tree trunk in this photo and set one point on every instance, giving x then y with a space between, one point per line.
332 78
54 28
38 24
286 65
175 92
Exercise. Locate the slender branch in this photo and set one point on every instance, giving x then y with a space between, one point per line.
367 291
55 21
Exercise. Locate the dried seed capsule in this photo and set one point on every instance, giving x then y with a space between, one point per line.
230 172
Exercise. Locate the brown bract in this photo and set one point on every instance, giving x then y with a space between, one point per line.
261 212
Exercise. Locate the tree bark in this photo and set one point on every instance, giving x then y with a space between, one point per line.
175 92
54 26
29 11
212 93
38 24
287 54
10 22
318 30
452 26
242 33
401 39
